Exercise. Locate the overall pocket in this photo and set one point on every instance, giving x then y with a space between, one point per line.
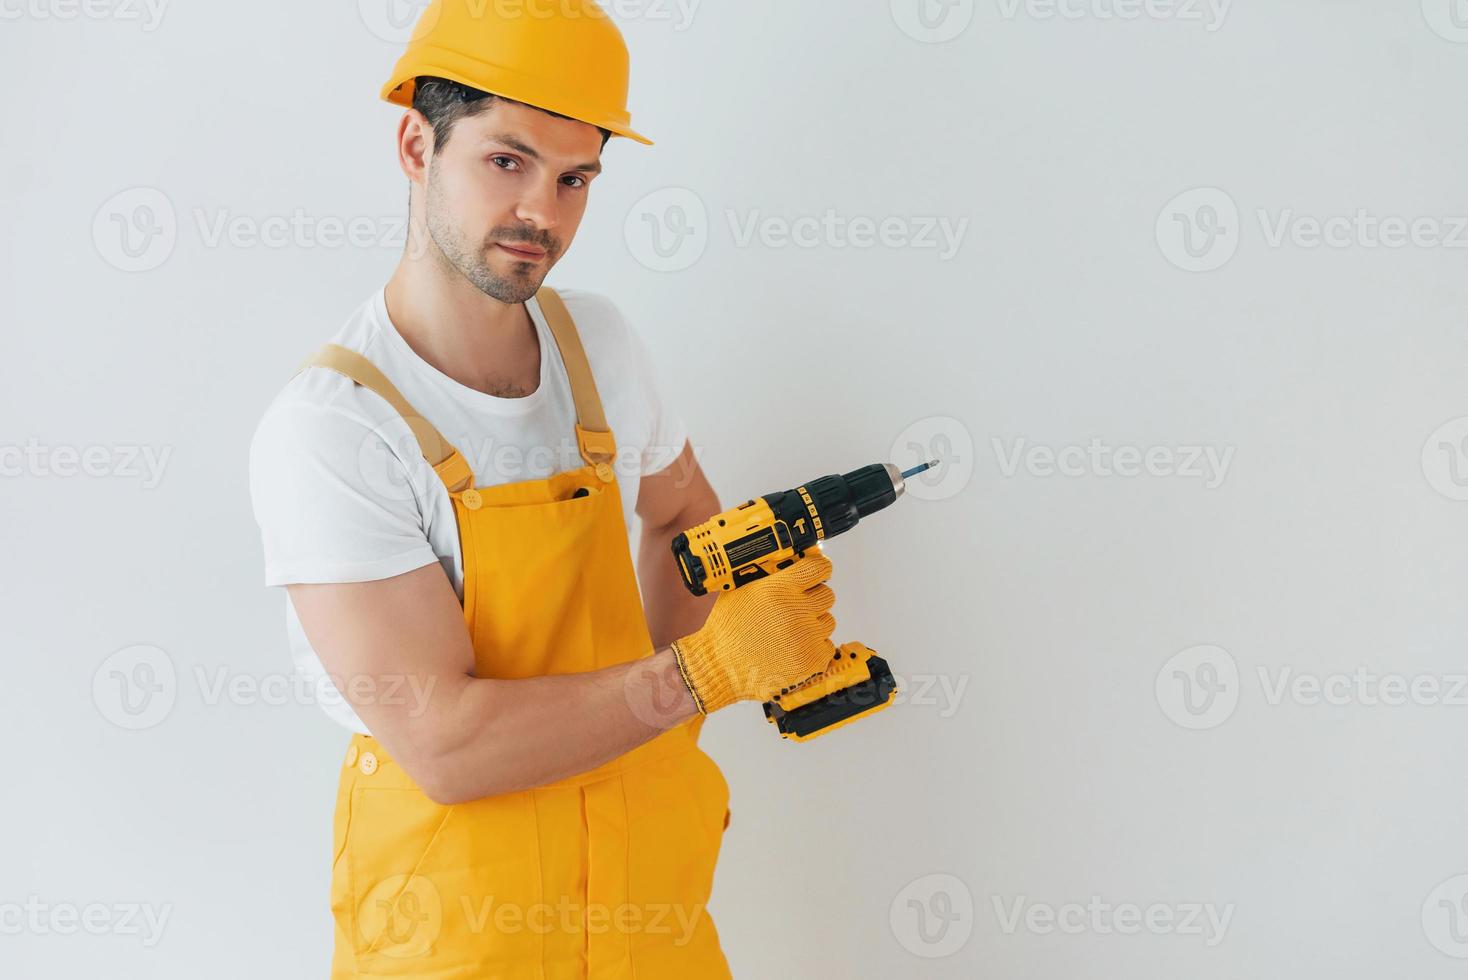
441 888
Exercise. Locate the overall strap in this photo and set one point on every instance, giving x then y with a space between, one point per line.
451 467
593 437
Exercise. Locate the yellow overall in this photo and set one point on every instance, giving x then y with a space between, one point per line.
601 875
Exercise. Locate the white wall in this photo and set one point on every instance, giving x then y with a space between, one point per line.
1059 764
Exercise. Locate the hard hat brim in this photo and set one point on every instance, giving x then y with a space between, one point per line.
399 91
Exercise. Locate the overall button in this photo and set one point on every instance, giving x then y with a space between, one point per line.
351 756
368 764
472 499
604 472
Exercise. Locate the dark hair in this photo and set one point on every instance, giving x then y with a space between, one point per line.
444 102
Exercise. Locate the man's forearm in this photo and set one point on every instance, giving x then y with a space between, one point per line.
499 736
672 611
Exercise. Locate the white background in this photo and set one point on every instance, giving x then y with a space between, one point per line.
1081 759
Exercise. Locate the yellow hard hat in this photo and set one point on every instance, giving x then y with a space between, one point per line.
563 55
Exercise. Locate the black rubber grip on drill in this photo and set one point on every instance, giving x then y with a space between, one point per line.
832 502
870 488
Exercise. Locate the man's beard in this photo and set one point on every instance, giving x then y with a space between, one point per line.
472 261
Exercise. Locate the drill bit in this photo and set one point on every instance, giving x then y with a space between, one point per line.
919 468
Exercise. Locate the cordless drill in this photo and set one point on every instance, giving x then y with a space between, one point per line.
764 535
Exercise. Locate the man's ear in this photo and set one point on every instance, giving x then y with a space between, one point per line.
415 145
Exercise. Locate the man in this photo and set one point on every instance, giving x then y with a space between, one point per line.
446 493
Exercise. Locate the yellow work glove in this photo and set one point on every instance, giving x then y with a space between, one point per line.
761 637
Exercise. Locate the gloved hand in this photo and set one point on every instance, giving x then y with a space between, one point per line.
761 637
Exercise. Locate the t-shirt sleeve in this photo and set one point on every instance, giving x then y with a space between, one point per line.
333 501
667 430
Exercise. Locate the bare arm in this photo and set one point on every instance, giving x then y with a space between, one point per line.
669 501
400 652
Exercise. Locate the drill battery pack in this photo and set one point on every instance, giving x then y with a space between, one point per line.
857 683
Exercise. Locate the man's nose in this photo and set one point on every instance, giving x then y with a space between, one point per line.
540 205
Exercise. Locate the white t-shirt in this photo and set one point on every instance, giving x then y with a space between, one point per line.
342 492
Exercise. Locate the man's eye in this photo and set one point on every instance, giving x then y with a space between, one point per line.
496 160
580 181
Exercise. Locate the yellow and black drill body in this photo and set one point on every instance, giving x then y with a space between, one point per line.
764 535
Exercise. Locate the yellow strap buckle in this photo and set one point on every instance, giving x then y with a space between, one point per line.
598 448
454 471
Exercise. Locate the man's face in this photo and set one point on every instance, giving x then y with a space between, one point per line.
505 195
